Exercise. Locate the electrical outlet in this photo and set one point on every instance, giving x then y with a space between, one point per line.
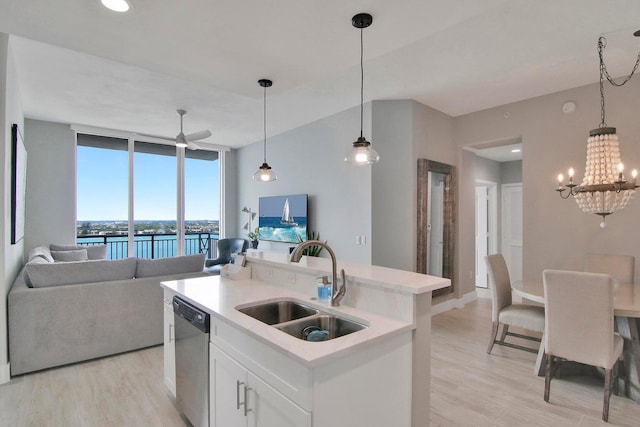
269 273
364 240
291 278
358 240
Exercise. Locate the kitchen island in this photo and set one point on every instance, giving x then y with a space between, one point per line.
259 375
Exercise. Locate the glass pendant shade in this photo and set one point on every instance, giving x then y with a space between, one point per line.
116 5
362 154
264 174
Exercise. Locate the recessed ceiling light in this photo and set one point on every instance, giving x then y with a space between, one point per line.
116 5
515 150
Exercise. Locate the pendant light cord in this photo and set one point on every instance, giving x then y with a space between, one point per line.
264 124
602 43
361 81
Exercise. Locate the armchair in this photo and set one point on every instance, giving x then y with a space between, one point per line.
226 247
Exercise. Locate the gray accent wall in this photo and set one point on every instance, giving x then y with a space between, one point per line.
51 184
511 172
403 132
310 160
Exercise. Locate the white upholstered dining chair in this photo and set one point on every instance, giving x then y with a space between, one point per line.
579 324
505 313
619 267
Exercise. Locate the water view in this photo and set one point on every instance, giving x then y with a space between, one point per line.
152 239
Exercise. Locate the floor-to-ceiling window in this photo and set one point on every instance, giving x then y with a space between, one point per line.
102 193
146 199
202 201
154 200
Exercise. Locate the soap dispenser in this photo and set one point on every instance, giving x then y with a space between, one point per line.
324 289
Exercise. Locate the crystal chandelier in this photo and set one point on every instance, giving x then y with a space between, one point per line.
604 189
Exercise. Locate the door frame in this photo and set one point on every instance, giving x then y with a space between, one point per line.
492 216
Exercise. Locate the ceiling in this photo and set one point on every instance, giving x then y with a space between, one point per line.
80 63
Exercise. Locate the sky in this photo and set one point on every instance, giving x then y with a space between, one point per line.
272 206
102 186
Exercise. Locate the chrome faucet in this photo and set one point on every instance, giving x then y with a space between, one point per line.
336 295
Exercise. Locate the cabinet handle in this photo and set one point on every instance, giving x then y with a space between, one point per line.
245 395
170 335
246 406
238 404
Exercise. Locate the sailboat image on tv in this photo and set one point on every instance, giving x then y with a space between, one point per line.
287 219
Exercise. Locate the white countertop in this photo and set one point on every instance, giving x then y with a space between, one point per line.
220 297
383 277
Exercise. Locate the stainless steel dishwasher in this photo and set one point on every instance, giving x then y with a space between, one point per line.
192 362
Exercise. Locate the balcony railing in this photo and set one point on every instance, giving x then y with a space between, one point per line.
152 245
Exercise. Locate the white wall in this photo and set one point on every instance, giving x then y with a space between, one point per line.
11 258
51 184
310 159
557 234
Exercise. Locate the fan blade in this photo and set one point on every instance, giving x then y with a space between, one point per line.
198 135
193 146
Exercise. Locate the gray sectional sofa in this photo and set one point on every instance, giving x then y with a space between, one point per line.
62 312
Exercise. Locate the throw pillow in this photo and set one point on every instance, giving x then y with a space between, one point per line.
71 273
40 252
93 251
169 266
70 256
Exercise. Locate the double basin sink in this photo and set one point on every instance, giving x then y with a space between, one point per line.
300 320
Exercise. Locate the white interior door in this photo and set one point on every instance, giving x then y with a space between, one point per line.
512 229
482 234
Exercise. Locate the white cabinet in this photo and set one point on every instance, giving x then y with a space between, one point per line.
169 345
270 408
239 398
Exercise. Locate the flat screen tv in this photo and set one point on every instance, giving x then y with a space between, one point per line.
283 218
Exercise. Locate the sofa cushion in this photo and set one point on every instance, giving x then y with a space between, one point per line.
93 251
42 252
167 266
71 273
69 256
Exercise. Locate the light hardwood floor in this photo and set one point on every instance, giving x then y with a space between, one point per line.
123 390
471 388
468 387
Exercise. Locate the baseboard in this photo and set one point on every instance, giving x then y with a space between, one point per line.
453 303
5 373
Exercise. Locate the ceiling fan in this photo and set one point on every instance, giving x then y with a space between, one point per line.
187 141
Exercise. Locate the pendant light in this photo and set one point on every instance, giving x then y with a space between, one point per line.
264 172
362 154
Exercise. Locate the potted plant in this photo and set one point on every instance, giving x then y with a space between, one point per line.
254 236
313 250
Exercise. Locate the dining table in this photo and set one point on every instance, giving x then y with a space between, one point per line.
626 310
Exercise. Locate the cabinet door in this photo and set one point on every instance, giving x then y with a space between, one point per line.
228 390
169 350
269 408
